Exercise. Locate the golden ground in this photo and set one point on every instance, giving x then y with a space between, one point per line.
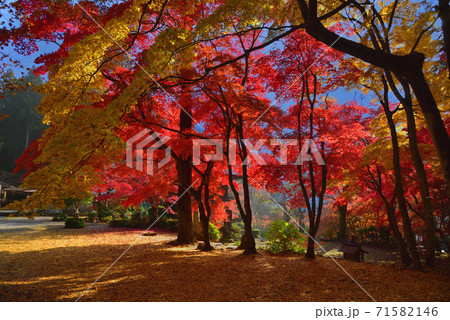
58 264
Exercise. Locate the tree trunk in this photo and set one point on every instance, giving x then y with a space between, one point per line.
205 229
416 159
250 244
399 191
244 207
197 226
310 249
342 223
185 226
76 210
404 256
227 224
246 211
314 202
286 215
184 176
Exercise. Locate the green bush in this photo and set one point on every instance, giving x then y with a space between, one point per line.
109 209
167 223
119 223
256 233
92 216
72 223
106 219
59 217
214 233
237 230
138 223
283 237
127 218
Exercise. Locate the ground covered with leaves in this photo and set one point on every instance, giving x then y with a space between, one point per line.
57 264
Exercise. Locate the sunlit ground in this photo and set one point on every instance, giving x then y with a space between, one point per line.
50 263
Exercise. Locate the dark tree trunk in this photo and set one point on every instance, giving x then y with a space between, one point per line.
227 225
205 228
399 191
286 215
203 203
314 213
313 200
404 256
430 238
416 159
403 248
250 244
310 249
342 223
184 176
185 225
244 208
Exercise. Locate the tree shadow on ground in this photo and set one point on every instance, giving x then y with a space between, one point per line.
156 271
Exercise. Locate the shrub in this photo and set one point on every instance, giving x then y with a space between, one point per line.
59 217
226 234
283 237
167 223
72 223
106 219
92 216
256 233
237 230
111 209
138 223
232 235
119 223
214 233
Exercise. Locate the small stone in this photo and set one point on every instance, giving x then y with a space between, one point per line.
149 234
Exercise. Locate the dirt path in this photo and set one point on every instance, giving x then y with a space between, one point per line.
56 264
23 225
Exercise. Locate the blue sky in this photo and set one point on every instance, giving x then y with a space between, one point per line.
341 95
